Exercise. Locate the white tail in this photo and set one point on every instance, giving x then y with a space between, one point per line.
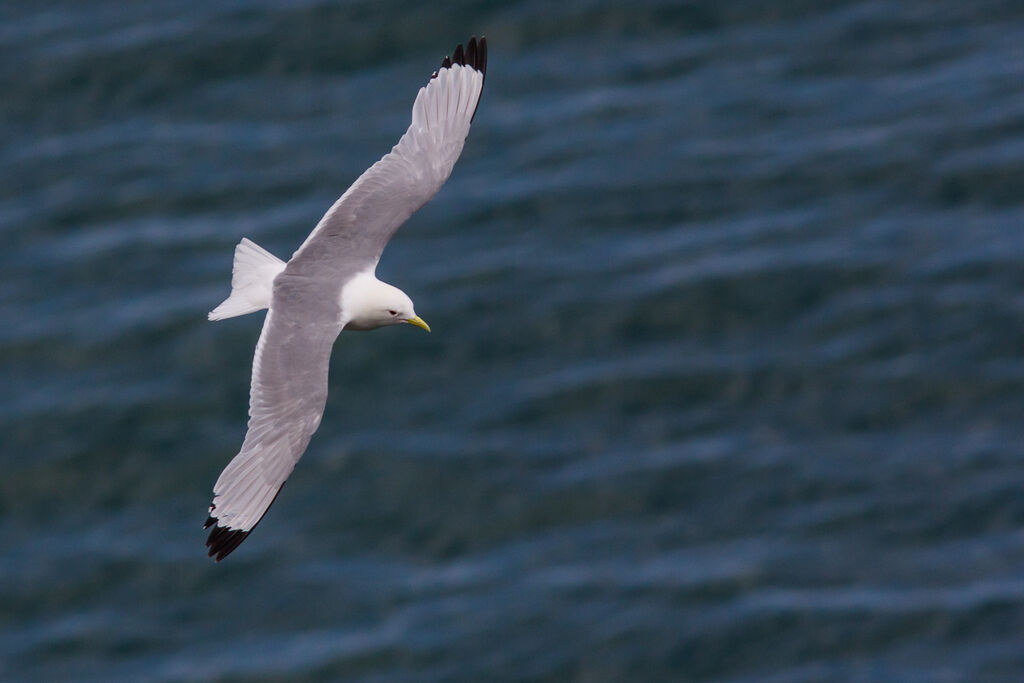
252 281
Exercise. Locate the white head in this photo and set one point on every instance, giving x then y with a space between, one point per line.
369 303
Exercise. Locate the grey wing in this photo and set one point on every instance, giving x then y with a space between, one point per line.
353 233
286 402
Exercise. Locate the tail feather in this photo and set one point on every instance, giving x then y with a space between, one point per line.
252 281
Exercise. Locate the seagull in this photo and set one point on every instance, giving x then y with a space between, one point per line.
329 285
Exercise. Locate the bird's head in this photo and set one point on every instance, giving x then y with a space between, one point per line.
372 303
395 306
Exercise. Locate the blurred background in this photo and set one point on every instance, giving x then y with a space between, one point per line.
726 379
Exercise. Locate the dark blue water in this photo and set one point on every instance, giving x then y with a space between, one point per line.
726 379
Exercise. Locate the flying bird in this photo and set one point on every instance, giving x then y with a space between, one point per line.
329 285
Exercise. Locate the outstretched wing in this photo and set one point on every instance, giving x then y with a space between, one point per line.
286 402
352 234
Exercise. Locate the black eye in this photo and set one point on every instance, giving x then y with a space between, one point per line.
393 312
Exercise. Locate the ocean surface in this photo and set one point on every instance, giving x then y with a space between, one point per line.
726 380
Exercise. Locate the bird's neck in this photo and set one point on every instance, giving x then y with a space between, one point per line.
360 301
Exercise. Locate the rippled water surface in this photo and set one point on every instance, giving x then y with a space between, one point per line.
726 379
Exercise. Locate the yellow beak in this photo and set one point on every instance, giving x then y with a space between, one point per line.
419 322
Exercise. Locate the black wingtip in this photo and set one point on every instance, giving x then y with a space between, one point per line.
223 541
474 55
478 60
481 59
